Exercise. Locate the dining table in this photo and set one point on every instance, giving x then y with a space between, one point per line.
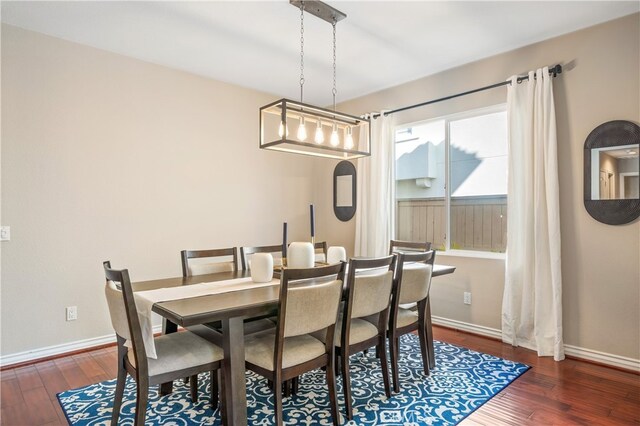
231 309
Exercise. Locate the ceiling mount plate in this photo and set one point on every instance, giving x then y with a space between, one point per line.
320 9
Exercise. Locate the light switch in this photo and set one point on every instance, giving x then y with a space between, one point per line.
5 233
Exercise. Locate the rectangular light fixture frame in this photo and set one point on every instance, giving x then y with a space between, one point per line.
284 112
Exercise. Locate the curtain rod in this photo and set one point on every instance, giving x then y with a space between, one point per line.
555 70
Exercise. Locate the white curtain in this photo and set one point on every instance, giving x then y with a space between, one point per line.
375 192
532 302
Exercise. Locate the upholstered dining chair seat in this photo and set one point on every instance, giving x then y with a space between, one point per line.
405 317
360 330
260 348
179 351
412 305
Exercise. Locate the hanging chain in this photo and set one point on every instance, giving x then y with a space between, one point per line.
335 90
301 49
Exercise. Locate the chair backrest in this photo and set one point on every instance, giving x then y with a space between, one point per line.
368 291
321 251
246 252
192 268
123 312
309 299
397 246
413 276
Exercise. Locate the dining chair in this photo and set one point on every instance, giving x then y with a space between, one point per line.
179 355
309 302
411 285
191 268
368 293
246 252
200 268
397 246
320 249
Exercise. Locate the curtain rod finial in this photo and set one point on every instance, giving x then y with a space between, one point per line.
557 70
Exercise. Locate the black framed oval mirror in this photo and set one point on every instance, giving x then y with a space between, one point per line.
611 172
344 190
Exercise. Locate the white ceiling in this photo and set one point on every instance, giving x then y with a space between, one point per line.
257 44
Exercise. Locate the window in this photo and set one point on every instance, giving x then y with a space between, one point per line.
451 181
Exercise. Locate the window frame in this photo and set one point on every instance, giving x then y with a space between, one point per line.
448 118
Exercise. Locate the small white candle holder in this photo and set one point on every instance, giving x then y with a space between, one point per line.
261 267
300 255
336 254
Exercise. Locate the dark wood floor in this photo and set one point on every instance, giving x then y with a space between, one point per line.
550 393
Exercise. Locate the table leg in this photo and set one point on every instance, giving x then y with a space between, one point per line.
235 391
168 327
428 326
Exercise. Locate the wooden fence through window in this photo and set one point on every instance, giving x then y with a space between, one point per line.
477 223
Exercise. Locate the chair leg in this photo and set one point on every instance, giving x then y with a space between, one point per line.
286 388
117 398
422 336
223 413
294 385
141 401
333 397
393 350
381 348
214 389
429 329
277 400
346 384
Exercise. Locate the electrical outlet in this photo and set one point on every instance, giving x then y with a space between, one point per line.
5 233
72 313
467 298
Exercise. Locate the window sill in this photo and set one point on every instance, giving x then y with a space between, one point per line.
471 253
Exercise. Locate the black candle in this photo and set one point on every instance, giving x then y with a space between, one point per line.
284 239
313 220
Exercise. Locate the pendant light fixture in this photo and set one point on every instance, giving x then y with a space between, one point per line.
348 136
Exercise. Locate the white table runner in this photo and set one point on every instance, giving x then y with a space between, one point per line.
146 299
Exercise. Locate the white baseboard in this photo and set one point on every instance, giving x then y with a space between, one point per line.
603 357
7 360
466 326
575 351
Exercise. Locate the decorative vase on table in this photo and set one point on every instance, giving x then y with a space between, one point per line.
261 267
300 255
336 254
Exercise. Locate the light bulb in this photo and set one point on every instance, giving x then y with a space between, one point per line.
335 140
302 130
281 129
319 133
348 142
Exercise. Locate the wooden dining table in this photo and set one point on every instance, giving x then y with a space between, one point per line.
231 308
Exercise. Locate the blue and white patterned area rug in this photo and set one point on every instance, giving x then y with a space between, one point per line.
462 381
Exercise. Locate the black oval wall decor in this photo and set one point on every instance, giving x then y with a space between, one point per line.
604 199
344 191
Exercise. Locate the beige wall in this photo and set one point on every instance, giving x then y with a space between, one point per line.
601 263
107 157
